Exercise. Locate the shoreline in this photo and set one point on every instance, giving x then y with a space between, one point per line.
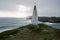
26 31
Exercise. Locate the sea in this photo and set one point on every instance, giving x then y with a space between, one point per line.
7 23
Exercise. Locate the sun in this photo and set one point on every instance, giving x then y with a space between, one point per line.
22 11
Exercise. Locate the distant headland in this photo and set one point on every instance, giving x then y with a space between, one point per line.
48 19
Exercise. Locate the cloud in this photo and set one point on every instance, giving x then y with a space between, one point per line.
8 8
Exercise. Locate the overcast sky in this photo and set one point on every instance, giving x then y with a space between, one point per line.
24 8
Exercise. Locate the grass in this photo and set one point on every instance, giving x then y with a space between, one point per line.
29 32
7 34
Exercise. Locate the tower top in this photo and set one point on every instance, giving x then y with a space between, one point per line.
35 5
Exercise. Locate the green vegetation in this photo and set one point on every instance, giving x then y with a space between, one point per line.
29 32
50 19
7 34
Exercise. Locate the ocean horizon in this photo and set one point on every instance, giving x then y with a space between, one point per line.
8 23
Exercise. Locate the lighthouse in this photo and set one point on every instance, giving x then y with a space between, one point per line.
35 15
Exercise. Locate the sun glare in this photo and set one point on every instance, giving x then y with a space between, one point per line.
22 11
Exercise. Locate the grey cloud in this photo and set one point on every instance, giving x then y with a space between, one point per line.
45 7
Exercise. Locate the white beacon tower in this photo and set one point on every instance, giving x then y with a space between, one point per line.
35 16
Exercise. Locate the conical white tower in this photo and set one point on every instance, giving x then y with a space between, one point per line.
35 16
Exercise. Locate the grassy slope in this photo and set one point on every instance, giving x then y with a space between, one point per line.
29 32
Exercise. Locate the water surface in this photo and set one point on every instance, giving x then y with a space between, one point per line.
12 23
